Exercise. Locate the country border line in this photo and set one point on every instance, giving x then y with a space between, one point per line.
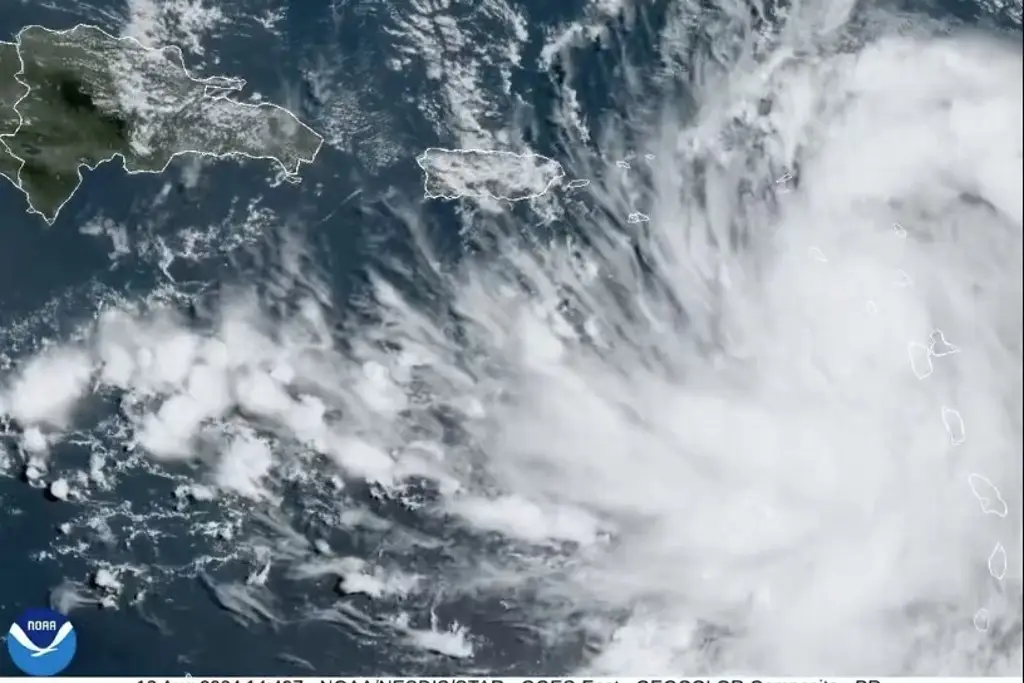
208 82
16 180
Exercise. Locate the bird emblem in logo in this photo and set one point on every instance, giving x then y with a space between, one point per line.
41 642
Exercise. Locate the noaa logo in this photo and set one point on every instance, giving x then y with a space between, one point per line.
42 642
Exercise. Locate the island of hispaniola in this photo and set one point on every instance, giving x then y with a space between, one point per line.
80 97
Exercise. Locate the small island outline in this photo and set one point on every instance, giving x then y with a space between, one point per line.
422 160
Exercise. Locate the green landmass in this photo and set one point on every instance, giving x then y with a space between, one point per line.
92 97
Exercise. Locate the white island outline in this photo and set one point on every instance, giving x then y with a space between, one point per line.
212 84
538 163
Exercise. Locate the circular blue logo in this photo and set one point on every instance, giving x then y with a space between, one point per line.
42 642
